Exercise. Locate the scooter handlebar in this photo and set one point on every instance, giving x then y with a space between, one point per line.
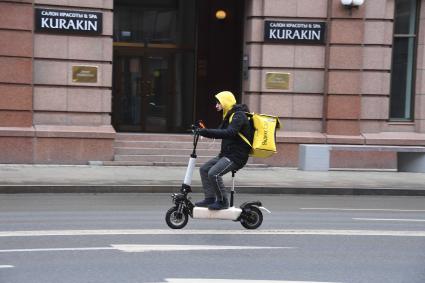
198 125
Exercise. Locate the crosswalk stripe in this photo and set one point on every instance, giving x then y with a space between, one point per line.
6 266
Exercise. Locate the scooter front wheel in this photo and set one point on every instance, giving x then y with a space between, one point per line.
176 219
251 218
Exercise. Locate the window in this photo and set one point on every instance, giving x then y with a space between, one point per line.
403 60
155 21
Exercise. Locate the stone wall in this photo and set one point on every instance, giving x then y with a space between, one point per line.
45 117
340 90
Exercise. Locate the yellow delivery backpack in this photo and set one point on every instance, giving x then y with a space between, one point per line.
264 141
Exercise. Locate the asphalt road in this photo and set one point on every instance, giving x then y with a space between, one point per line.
123 238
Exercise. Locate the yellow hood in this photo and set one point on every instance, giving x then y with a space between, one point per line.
227 100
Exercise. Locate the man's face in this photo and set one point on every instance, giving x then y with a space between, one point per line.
218 106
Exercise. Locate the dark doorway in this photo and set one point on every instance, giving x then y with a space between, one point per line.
154 65
219 55
170 58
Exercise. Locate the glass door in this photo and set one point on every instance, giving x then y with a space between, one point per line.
154 65
144 93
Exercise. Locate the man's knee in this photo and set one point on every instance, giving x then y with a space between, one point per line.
211 175
203 170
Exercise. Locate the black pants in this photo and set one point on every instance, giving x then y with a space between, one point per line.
211 173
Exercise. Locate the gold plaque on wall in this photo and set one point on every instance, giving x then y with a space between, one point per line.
278 81
84 74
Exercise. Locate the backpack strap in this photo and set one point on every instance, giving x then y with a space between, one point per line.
239 133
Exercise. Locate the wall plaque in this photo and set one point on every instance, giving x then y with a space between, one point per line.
294 32
68 21
84 74
278 81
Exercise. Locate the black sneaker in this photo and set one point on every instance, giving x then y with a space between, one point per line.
220 204
205 203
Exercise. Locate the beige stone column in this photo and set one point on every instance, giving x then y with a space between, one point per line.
16 52
72 119
300 107
377 51
45 117
420 75
343 94
359 81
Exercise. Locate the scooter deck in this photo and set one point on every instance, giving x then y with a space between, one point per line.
231 213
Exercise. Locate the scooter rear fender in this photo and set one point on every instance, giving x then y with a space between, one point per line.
257 204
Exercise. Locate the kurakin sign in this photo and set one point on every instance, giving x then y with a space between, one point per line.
294 32
68 21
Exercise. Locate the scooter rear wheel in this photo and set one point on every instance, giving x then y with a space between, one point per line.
251 218
175 219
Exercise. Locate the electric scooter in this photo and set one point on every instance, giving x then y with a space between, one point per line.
248 214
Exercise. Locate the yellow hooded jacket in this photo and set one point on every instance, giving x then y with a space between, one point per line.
227 101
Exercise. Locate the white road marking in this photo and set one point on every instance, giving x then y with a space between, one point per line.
7 266
145 248
151 248
362 209
390 219
199 280
325 232
56 249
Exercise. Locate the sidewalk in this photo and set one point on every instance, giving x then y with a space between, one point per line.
147 179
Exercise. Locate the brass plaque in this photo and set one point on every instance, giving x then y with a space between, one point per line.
278 81
84 74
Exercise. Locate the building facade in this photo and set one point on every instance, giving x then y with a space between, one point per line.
74 73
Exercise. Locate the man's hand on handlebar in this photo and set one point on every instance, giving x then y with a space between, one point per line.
198 127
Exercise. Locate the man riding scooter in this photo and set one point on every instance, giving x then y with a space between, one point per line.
234 151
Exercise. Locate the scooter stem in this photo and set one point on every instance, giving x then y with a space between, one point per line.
192 162
189 171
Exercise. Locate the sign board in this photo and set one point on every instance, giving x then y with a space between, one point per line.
84 74
68 21
278 80
294 32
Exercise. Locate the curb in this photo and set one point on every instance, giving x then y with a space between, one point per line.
22 189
